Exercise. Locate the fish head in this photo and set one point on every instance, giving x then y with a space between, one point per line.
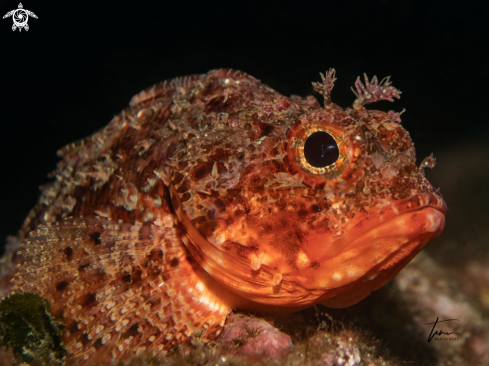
321 209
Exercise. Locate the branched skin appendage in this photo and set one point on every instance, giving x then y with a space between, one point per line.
374 91
428 162
325 88
396 116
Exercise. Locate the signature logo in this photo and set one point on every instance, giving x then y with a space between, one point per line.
20 17
439 333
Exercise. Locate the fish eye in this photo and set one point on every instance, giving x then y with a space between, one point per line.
321 149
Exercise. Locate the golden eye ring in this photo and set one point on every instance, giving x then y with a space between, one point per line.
332 149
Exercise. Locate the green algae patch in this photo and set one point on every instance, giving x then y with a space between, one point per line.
27 327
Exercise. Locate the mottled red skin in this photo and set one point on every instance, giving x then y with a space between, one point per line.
194 201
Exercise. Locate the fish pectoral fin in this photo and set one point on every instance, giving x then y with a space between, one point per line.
118 287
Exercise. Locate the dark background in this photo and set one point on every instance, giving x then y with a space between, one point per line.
80 63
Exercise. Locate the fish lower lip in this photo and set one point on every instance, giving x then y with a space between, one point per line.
375 258
368 223
373 219
383 246
408 225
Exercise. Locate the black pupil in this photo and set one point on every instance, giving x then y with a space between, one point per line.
321 150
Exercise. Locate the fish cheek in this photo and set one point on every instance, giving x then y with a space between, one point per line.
318 243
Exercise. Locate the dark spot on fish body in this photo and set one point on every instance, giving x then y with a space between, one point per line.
73 327
185 197
61 286
241 156
202 170
156 256
84 339
127 278
95 238
69 252
98 343
89 299
83 266
261 129
174 262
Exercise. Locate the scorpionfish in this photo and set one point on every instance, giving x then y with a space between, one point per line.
214 192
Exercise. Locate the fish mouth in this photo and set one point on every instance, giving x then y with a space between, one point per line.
372 220
373 247
377 246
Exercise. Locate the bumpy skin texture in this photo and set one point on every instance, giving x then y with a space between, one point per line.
195 200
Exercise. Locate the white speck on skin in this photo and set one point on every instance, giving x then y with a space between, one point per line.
277 278
337 276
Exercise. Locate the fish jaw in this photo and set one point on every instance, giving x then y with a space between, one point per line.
370 253
375 258
373 248
367 226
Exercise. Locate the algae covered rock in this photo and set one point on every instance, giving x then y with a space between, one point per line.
27 327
